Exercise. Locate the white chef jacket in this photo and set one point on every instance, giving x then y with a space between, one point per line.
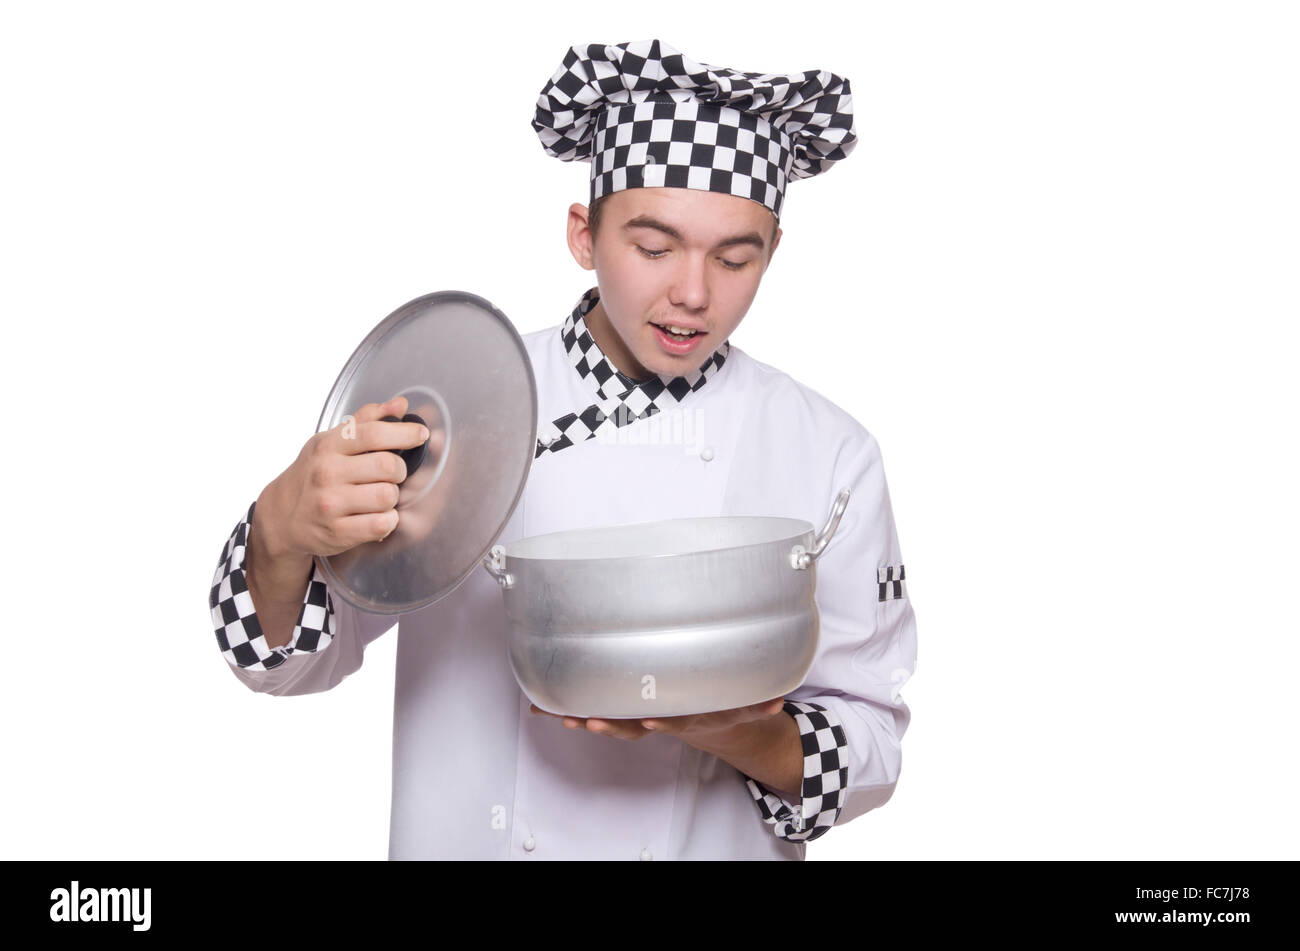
477 775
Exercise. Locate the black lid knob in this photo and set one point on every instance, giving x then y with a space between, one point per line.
414 456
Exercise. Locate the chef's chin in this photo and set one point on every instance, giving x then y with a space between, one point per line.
656 361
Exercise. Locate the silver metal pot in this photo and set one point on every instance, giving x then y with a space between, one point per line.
663 618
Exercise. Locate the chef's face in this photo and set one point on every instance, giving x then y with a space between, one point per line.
681 257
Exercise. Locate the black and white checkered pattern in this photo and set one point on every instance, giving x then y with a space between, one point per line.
644 115
890 579
619 400
239 633
683 143
825 776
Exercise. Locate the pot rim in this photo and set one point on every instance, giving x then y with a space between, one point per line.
793 530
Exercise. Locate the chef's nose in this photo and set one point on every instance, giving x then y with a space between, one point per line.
690 287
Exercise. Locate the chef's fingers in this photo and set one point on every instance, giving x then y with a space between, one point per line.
367 467
570 722
619 729
341 501
371 435
347 430
670 725
353 430
353 530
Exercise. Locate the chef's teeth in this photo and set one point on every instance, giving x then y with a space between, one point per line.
680 331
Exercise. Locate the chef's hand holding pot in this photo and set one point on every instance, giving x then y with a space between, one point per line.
701 727
743 737
339 493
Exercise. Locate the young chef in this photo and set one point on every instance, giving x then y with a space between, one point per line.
689 165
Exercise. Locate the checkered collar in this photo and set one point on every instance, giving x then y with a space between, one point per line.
619 400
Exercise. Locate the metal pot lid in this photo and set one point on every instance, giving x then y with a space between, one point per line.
464 371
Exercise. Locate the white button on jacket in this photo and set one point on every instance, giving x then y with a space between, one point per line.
477 775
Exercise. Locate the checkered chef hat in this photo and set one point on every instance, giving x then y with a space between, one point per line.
644 115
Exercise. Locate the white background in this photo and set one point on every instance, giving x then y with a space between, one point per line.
1057 279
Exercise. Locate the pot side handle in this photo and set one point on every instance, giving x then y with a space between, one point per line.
495 563
801 558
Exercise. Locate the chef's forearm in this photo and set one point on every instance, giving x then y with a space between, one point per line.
277 580
768 750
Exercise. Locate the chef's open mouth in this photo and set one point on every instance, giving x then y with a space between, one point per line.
676 336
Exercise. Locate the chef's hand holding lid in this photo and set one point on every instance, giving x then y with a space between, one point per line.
341 491
428 487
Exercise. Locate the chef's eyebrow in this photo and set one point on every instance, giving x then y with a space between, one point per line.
646 221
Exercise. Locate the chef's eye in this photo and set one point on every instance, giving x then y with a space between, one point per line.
734 265
653 255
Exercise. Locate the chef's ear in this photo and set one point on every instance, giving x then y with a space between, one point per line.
582 243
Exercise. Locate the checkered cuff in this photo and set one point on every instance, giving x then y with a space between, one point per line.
239 634
825 775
